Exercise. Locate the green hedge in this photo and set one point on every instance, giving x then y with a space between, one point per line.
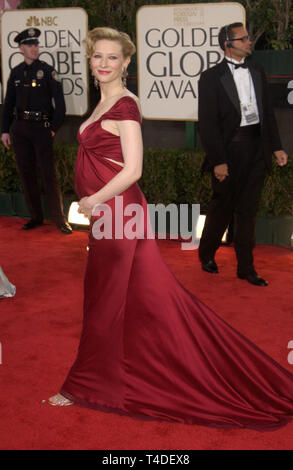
169 176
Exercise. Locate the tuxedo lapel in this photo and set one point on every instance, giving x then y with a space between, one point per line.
230 87
256 78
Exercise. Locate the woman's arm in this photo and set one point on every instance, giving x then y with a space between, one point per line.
132 149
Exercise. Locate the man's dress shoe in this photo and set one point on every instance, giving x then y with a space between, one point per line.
64 227
32 224
254 279
210 267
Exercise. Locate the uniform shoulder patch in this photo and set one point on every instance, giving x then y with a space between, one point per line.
55 75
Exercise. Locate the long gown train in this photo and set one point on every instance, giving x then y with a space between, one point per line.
149 348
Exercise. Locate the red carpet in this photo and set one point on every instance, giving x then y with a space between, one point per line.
40 327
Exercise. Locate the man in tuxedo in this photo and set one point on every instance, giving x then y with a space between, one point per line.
239 133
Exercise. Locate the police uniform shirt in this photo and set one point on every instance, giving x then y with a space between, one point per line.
32 88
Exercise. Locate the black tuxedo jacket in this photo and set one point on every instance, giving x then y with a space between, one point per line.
220 114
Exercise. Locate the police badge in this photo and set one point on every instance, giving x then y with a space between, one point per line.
40 74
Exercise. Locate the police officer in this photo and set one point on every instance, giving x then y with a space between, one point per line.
33 121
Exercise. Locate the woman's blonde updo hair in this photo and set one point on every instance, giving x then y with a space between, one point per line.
96 34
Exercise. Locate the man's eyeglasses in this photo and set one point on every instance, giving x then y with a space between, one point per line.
243 39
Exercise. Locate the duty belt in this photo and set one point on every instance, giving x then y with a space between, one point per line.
32 116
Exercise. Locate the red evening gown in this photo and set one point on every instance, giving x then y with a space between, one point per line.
149 348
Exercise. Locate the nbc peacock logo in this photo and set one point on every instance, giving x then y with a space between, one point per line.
42 21
33 21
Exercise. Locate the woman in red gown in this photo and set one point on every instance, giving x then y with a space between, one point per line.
149 348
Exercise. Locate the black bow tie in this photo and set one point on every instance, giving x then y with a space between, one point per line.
244 65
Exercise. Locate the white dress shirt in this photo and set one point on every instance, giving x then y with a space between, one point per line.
245 89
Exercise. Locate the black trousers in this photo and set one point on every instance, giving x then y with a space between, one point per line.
33 145
238 194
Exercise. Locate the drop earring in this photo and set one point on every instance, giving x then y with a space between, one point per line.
124 76
96 81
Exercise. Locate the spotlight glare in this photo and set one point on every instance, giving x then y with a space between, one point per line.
200 225
74 217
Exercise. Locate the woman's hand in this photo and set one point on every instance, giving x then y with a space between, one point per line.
85 207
